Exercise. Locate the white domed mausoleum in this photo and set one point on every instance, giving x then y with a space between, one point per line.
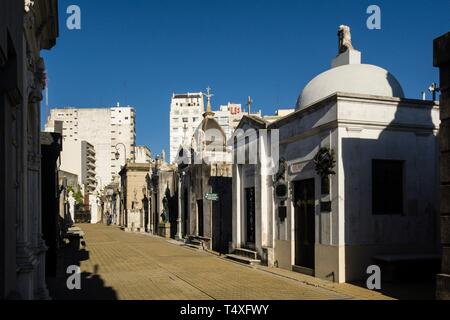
351 78
360 170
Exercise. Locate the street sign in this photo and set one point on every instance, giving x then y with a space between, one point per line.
212 196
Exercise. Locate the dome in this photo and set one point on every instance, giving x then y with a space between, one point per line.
350 78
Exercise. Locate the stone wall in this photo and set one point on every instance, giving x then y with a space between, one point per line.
442 61
25 29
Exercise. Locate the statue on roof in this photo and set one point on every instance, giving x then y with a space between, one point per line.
345 39
208 95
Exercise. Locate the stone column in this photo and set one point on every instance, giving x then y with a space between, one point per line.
236 213
442 61
179 231
151 214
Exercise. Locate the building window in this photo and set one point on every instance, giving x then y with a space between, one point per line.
387 187
185 120
194 119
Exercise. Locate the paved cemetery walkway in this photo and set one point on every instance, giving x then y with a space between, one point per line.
120 265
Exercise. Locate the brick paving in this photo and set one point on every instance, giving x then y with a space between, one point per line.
126 266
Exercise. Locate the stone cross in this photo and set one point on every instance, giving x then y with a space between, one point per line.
249 104
208 92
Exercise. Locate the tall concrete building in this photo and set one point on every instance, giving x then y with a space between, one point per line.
78 157
228 117
280 113
108 130
186 112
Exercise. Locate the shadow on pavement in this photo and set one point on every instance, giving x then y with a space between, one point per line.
420 290
92 285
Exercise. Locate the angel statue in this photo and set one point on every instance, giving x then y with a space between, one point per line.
165 213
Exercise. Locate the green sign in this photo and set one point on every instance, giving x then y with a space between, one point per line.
212 196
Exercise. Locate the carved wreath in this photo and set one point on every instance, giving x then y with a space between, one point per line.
281 170
325 162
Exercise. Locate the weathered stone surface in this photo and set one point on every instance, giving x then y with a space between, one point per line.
443 287
445 229
441 59
446 260
445 168
444 81
444 109
441 48
444 136
445 200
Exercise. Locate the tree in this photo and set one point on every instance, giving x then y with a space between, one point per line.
78 196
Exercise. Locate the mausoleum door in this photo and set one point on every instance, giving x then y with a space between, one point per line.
304 203
200 218
186 220
250 218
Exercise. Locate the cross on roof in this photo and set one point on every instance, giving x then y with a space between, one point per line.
208 92
249 104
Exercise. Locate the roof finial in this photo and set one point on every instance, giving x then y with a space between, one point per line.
208 102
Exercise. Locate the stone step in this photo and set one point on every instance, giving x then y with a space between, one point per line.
246 253
194 246
242 259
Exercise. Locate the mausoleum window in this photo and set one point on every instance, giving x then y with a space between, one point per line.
387 187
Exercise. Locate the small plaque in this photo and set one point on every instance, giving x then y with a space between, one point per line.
282 213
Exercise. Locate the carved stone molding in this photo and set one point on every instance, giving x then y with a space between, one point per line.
36 80
41 248
34 161
25 259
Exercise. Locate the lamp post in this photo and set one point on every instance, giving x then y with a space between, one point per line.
117 155
117 151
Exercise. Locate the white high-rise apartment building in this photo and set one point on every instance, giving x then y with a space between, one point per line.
229 116
108 130
78 157
186 114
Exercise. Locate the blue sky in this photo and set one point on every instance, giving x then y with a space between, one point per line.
138 52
